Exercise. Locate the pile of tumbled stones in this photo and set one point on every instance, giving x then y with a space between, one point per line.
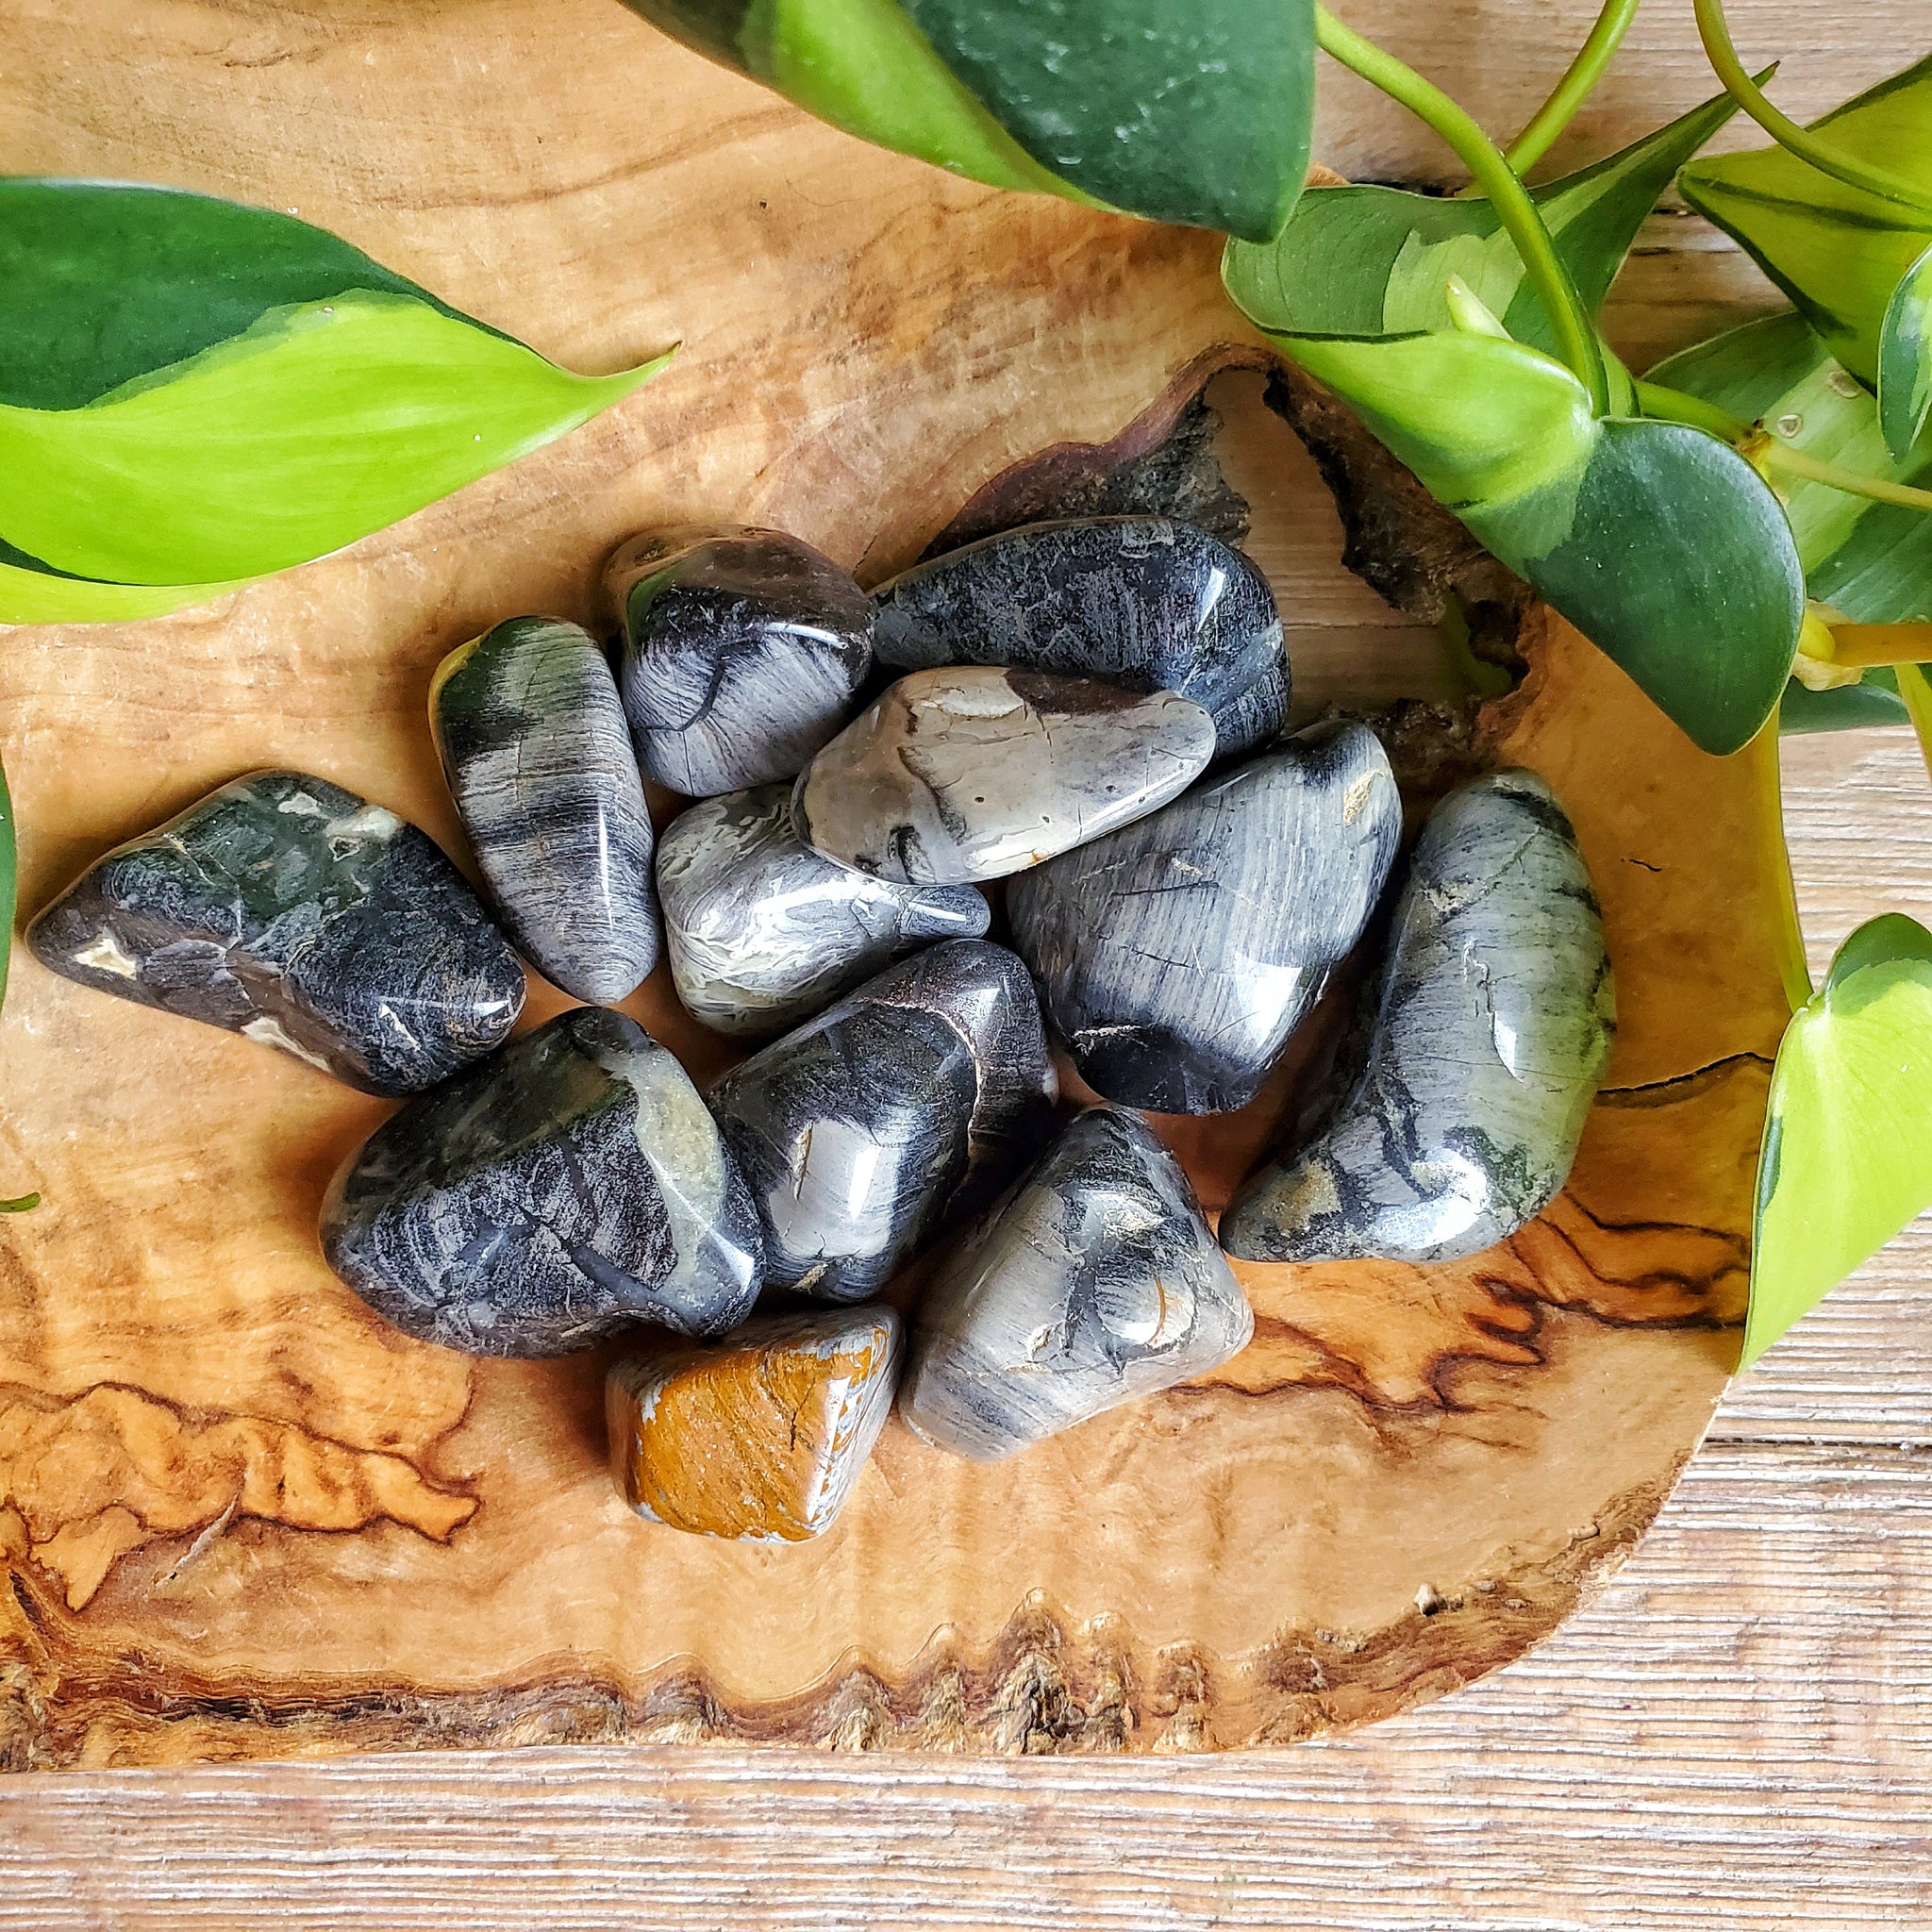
1094 709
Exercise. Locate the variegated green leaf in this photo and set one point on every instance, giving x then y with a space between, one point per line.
193 393
1838 251
1847 1156
1198 113
1905 359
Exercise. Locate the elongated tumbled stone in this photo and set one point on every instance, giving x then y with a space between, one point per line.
956 775
1493 1017
764 932
572 1185
758 1438
291 911
539 759
1143 602
742 652
863 1129
1176 956
1096 1283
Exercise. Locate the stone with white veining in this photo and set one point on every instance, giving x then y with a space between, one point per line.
572 1185
1493 1021
909 1100
976 773
539 759
1144 602
763 932
1178 956
1097 1283
286 909
740 652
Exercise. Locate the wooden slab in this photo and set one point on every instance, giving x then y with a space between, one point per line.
244 1518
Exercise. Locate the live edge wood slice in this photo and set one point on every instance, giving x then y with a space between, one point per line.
243 1518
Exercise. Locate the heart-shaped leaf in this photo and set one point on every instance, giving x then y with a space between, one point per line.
1375 261
1198 115
1838 251
1660 543
1847 1156
194 393
1905 359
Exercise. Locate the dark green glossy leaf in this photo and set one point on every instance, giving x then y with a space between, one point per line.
1375 261
1847 1156
1873 701
1905 359
1837 251
1660 543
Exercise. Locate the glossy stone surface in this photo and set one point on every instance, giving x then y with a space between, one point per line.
957 775
1494 1019
537 756
759 1438
1143 602
742 652
763 932
1176 956
286 909
572 1185
1096 1283
916 1096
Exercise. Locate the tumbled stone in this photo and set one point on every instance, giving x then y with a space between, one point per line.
1095 1284
570 1186
537 756
957 775
1493 1021
742 652
1143 602
758 1438
764 932
291 911
861 1130
1176 956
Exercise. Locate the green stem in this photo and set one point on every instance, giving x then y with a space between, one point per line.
1577 340
1556 113
1783 129
1673 405
25 1204
1795 463
1917 694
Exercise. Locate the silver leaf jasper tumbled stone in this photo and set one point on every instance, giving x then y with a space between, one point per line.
764 932
1493 1020
972 773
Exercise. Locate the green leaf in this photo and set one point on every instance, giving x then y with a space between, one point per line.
1660 543
1905 359
1373 261
1847 1156
1837 251
1198 115
25 1205
1870 561
1873 702
196 393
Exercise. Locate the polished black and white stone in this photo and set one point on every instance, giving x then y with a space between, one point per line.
740 652
764 932
913 1099
1493 1017
1096 1283
1144 602
299 915
976 773
539 759
1176 956
572 1185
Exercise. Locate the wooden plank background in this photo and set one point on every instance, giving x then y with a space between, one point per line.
1736 1735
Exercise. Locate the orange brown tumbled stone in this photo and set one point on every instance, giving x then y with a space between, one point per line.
758 1438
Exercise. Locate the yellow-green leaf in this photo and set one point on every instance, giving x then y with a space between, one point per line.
1905 359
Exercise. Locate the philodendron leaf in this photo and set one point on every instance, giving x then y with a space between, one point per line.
1837 251
1905 359
1375 261
193 393
1660 543
1198 113
1847 1156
